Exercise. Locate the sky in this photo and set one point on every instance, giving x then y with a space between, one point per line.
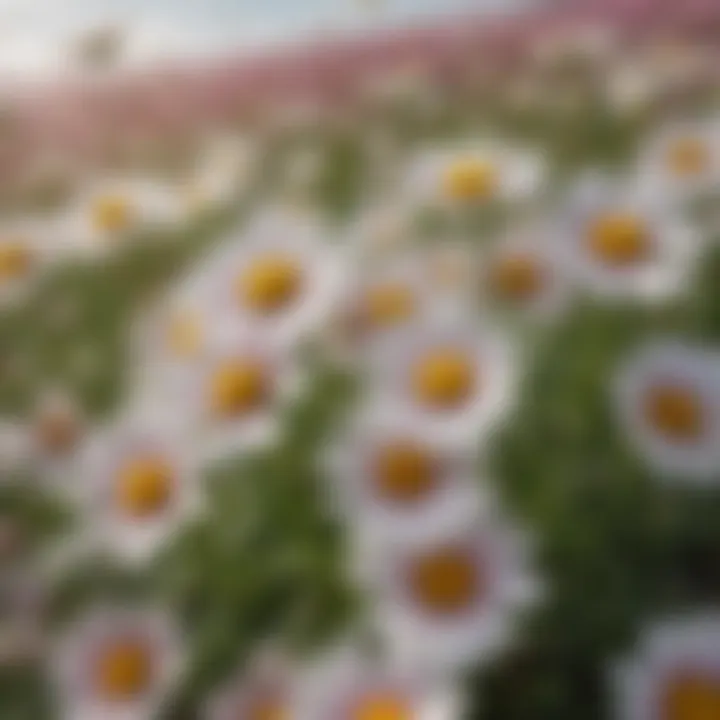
35 33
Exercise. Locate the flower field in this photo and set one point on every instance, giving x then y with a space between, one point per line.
393 404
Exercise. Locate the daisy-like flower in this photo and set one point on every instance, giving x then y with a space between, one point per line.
234 395
524 274
117 663
386 297
473 174
347 684
140 481
446 374
667 396
27 249
453 597
674 674
615 242
265 690
172 336
117 209
393 481
280 277
682 159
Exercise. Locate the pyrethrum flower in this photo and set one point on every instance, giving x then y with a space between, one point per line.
347 684
473 174
387 297
391 480
617 243
524 275
265 690
114 210
27 249
674 673
448 374
279 277
116 663
233 397
172 336
667 396
682 159
452 598
140 481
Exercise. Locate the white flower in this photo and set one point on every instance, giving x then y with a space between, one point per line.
451 598
117 209
116 663
27 249
681 160
673 674
447 374
617 243
139 480
172 336
280 277
472 174
667 395
386 297
265 690
233 397
346 684
524 274
391 481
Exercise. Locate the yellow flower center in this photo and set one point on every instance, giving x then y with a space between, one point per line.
184 335
404 471
270 284
16 259
620 240
124 671
692 698
238 387
444 379
383 706
688 157
112 214
517 278
445 581
144 487
388 304
471 180
676 412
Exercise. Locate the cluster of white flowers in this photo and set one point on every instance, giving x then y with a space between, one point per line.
447 571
